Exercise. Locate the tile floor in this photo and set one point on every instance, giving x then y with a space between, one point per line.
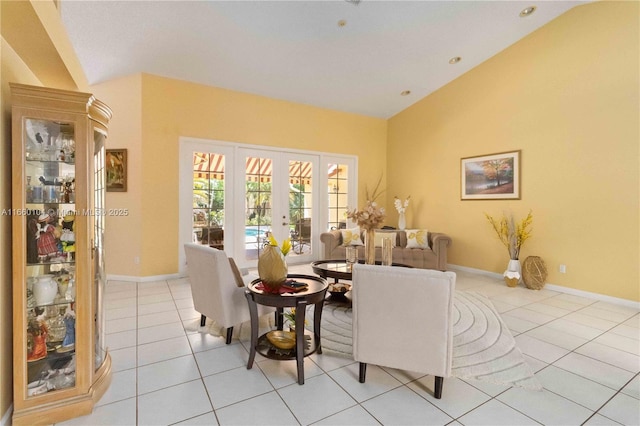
168 370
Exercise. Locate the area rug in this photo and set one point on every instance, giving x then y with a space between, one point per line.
483 347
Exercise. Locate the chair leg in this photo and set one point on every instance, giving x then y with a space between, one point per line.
229 334
203 320
438 390
363 372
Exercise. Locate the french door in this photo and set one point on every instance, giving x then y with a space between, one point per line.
278 200
234 197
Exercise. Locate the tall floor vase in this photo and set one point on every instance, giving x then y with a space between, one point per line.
369 247
402 223
514 270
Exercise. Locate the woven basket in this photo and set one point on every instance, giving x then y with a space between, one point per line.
534 272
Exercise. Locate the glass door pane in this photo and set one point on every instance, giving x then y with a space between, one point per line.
208 199
99 188
338 195
300 206
258 214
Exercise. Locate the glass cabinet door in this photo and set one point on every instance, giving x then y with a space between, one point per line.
50 253
100 279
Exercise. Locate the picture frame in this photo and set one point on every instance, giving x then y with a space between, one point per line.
116 170
491 177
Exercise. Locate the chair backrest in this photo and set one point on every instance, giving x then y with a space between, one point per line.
402 318
213 285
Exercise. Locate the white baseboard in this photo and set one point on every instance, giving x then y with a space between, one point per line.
597 296
6 418
111 277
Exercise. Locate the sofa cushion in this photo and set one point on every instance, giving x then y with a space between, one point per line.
351 237
380 235
417 238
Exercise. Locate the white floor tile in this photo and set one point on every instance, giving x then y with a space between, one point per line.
120 303
284 373
556 337
561 303
591 321
160 332
574 329
121 295
123 386
490 389
538 349
547 309
623 409
401 406
404 376
529 315
610 355
606 314
208 419
158 318
156 307
633 388
626 331
151 290
204 341
119 413
576 388
164 374
457 399
155 298
124 339
545 407
264 410
495 413
163 350
123 359
377 381
122 324
222 359
622 343
535 364
182 294
599 420
188 313
298 398
518 325
173 404
236 385
123 312
351 416
329 362
184 303
584 301
595 370
633 321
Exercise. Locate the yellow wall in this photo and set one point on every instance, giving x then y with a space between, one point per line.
567 96
173 108
123 236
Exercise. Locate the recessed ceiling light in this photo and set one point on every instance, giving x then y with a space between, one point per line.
405 92
342 23
455 60
528 11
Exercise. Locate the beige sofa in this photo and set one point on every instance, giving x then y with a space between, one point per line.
434 257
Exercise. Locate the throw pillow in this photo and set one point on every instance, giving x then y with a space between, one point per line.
351 237
417 238
237 275
379 236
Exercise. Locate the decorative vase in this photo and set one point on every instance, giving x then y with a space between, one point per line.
45 290
402 222
272 268
513 274
369 247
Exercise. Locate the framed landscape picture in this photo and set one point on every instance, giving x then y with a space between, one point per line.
116 166
491 177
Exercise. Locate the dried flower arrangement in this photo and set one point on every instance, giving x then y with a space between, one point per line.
401 206
372 216
512 234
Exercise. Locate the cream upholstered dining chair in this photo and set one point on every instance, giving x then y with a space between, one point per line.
217 287
402 318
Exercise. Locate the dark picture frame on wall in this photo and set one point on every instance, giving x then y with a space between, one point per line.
490 177
116 168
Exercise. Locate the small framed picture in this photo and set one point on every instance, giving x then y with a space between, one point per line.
491 177
116 168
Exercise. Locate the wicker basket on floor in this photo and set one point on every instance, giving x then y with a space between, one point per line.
534 272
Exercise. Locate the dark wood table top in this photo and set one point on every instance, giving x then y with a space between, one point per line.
338 268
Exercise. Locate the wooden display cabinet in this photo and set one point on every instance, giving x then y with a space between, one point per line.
61 366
